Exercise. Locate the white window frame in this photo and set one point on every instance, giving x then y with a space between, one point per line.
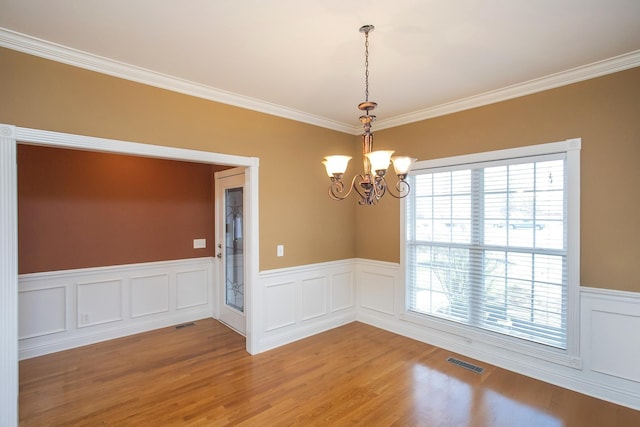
569 356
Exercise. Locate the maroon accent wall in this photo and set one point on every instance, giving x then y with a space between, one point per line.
80 209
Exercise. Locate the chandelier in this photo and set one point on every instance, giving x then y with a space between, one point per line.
372 184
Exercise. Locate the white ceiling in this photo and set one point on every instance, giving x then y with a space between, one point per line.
304 59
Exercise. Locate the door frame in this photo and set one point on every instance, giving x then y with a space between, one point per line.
9 138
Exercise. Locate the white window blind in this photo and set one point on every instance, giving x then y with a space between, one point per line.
486 246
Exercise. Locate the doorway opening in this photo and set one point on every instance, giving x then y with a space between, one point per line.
9 137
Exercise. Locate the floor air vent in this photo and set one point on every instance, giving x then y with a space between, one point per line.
184 325
466 365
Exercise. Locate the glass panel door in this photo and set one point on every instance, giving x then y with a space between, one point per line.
230 222
234 252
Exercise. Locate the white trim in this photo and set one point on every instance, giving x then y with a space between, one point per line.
39 349
119 319
118 283
282 312
91 143
8 277
135 314
307 268
283 336
572 148
577 374
607 317
109 268
252 258
66 55
569 145
552 81
586 380
470 335
210 289
573 246
611 294
228 172
63 328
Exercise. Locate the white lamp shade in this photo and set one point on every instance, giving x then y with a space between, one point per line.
402 164
336 164
379 159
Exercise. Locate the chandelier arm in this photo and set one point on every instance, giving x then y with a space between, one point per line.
380 187
403 189
337 188
363 188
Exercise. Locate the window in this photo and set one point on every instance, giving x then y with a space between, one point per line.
491 243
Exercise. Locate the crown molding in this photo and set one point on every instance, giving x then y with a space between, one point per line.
563 78
66 55
48 50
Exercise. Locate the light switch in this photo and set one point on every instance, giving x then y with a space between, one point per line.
280 250
199 243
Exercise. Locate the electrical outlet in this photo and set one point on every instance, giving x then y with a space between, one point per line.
84 318
280 250
199 243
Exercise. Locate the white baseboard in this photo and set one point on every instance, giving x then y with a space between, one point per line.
65 309
279 339
596 371
29 350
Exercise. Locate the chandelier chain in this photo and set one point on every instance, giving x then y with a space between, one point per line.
366 66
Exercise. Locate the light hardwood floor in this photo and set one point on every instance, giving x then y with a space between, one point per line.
353 375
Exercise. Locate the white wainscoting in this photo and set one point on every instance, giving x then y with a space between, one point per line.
609 321
85 306
303 301
65 309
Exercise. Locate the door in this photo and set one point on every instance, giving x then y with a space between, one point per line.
230 247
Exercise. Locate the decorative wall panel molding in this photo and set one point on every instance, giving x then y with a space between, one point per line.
377 291
314 297
302 301
608 321
611 351
378 284
280 305
46 308
192 289
99 302
65 309
342 291
149 295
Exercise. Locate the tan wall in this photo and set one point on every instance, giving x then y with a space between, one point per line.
294 209
604 112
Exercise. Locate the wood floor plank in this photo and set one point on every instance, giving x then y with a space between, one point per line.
353 375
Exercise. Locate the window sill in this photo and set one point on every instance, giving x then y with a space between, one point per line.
473 335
